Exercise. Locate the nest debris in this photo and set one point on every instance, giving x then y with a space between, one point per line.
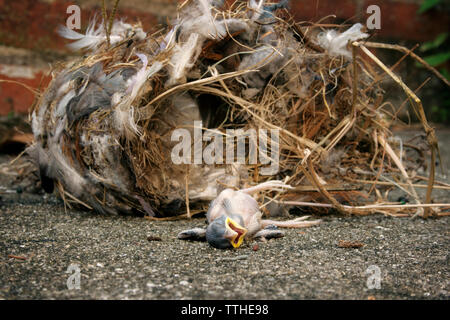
103 126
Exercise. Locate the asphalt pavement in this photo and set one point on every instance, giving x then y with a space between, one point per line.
47 252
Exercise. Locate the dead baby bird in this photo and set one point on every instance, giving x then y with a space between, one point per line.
235 215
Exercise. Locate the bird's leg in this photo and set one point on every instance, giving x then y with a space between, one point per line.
196 234
274 185
295 223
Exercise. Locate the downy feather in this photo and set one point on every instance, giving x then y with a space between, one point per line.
183 59
336 43
124 111
257 7
90 40
94 37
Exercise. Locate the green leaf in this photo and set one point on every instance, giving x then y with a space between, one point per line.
437 59
444 114
446 74
427 5
436 43
441 112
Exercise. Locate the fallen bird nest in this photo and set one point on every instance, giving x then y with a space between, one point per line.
104 127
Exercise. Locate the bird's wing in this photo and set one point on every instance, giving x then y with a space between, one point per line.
196 234
216 208
241 204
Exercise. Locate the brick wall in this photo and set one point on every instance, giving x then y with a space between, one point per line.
29 43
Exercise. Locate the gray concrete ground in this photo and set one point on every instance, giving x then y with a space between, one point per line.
116 261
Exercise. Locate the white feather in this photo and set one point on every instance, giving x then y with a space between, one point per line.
257 7
138 80
124 111
125 123
64 88
91 40
61 125
121 30
61 109
205 7
63 171
183 59
37 122
202 22
204 26
231 26
94 37
168 39
336 43
139 77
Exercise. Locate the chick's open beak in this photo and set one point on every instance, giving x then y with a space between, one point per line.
234 232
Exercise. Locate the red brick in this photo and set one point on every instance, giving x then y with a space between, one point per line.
14 97
32 24
317 9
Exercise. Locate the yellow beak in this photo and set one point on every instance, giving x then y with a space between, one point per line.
235 232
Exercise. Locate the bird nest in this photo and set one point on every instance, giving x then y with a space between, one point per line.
109 127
